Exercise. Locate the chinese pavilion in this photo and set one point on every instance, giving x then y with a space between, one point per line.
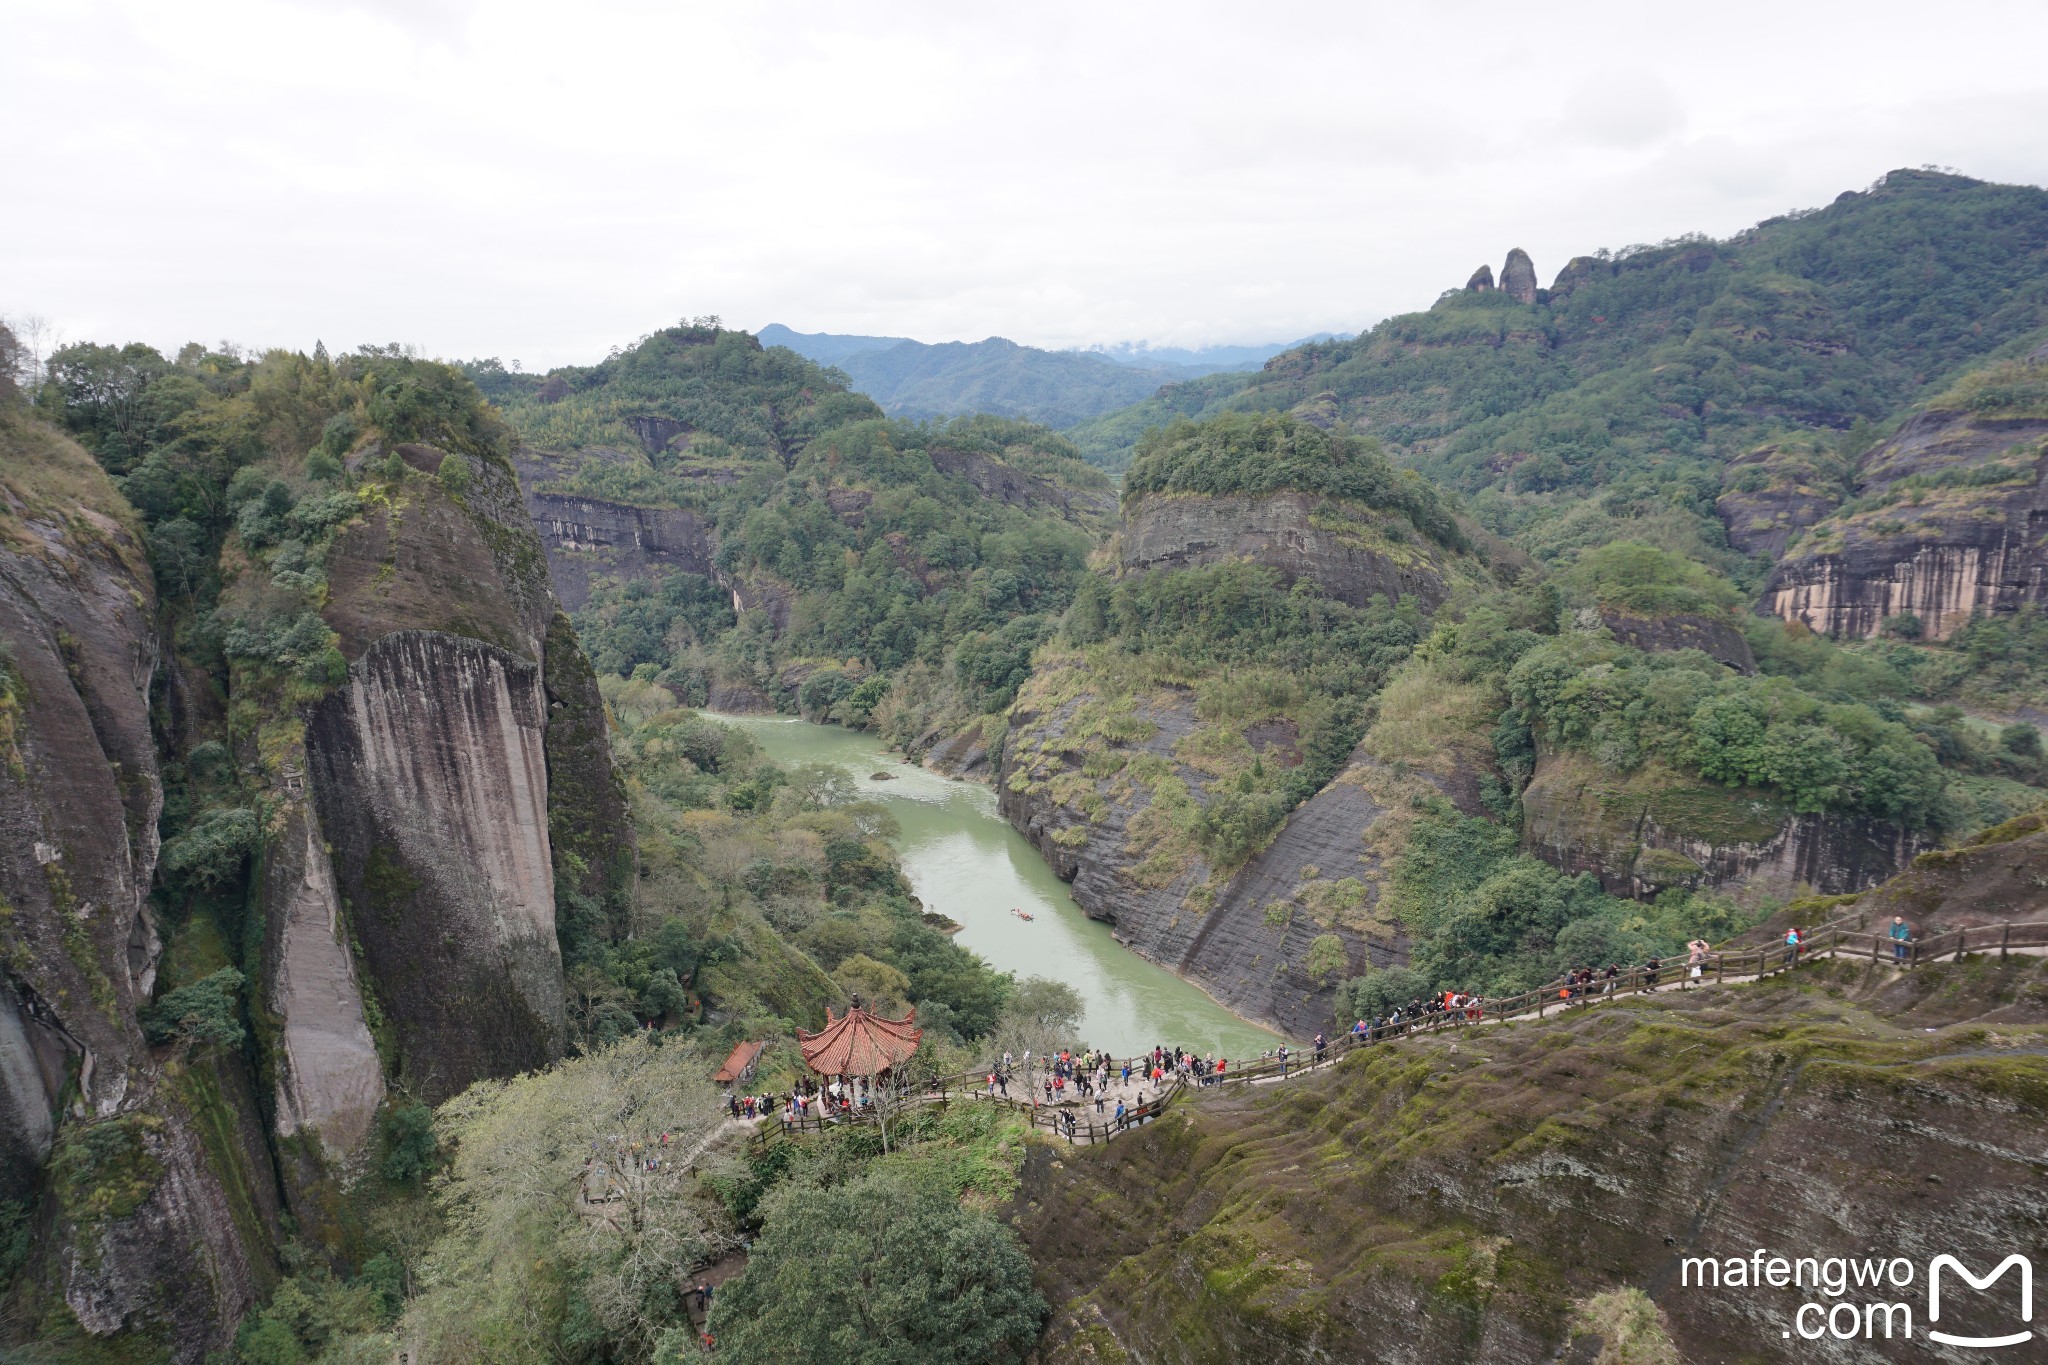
859 1044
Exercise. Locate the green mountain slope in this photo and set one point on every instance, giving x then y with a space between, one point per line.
1658 363
1055 388
851 545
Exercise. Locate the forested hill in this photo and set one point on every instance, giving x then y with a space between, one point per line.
1655 364
850 544
1058 388
947 379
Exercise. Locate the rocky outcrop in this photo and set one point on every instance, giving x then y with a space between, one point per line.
1950 521
763 592
329 1079
1997 877
431 776
1246 939
1479 1196
1348 551
738 699
963 755
1318 878
468 735
1518 277
1715 636
587 536
994 479
657 434
1653 830
79 799
1773 493
1577 271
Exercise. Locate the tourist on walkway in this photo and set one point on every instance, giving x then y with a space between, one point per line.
1793 944
1901 934
1695 959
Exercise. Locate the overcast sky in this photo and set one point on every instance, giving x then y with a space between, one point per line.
543 181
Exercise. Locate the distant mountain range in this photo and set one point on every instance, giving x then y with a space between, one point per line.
1204 360
912 378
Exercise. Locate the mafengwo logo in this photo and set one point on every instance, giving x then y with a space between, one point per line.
1879 1313
2014 1261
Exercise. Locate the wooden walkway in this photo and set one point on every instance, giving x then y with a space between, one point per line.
1559 998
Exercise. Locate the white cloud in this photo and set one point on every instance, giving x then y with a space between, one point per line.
542 180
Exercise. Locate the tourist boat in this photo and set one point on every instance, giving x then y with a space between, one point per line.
1021 914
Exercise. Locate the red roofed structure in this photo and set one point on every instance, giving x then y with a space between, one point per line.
860 1044
740 1065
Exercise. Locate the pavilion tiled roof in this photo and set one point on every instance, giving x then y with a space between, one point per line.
735 1068
859 1044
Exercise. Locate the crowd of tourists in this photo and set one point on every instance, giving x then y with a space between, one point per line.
1123 1091
810 1099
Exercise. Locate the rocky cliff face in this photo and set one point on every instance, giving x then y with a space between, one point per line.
1774 493
1494 1196
469 725
1648 831
1718 637
1950 520
994 479
1247 939
1349 552
586 536
431 774
79 800
329 1078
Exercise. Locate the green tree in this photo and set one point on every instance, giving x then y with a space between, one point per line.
208 1011
879 1271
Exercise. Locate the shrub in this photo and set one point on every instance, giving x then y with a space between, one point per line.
410 1151
1235 825
1379 993
1326 959
212 850
208 1012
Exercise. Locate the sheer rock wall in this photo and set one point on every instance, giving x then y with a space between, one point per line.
80 794
431 774
1971 539
1246 941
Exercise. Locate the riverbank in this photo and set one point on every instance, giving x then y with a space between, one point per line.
966 862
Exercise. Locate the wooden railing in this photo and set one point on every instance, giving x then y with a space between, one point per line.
1557 998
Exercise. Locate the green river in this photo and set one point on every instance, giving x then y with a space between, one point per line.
965 861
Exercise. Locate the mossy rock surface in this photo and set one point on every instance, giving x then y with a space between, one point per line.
1485 1196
